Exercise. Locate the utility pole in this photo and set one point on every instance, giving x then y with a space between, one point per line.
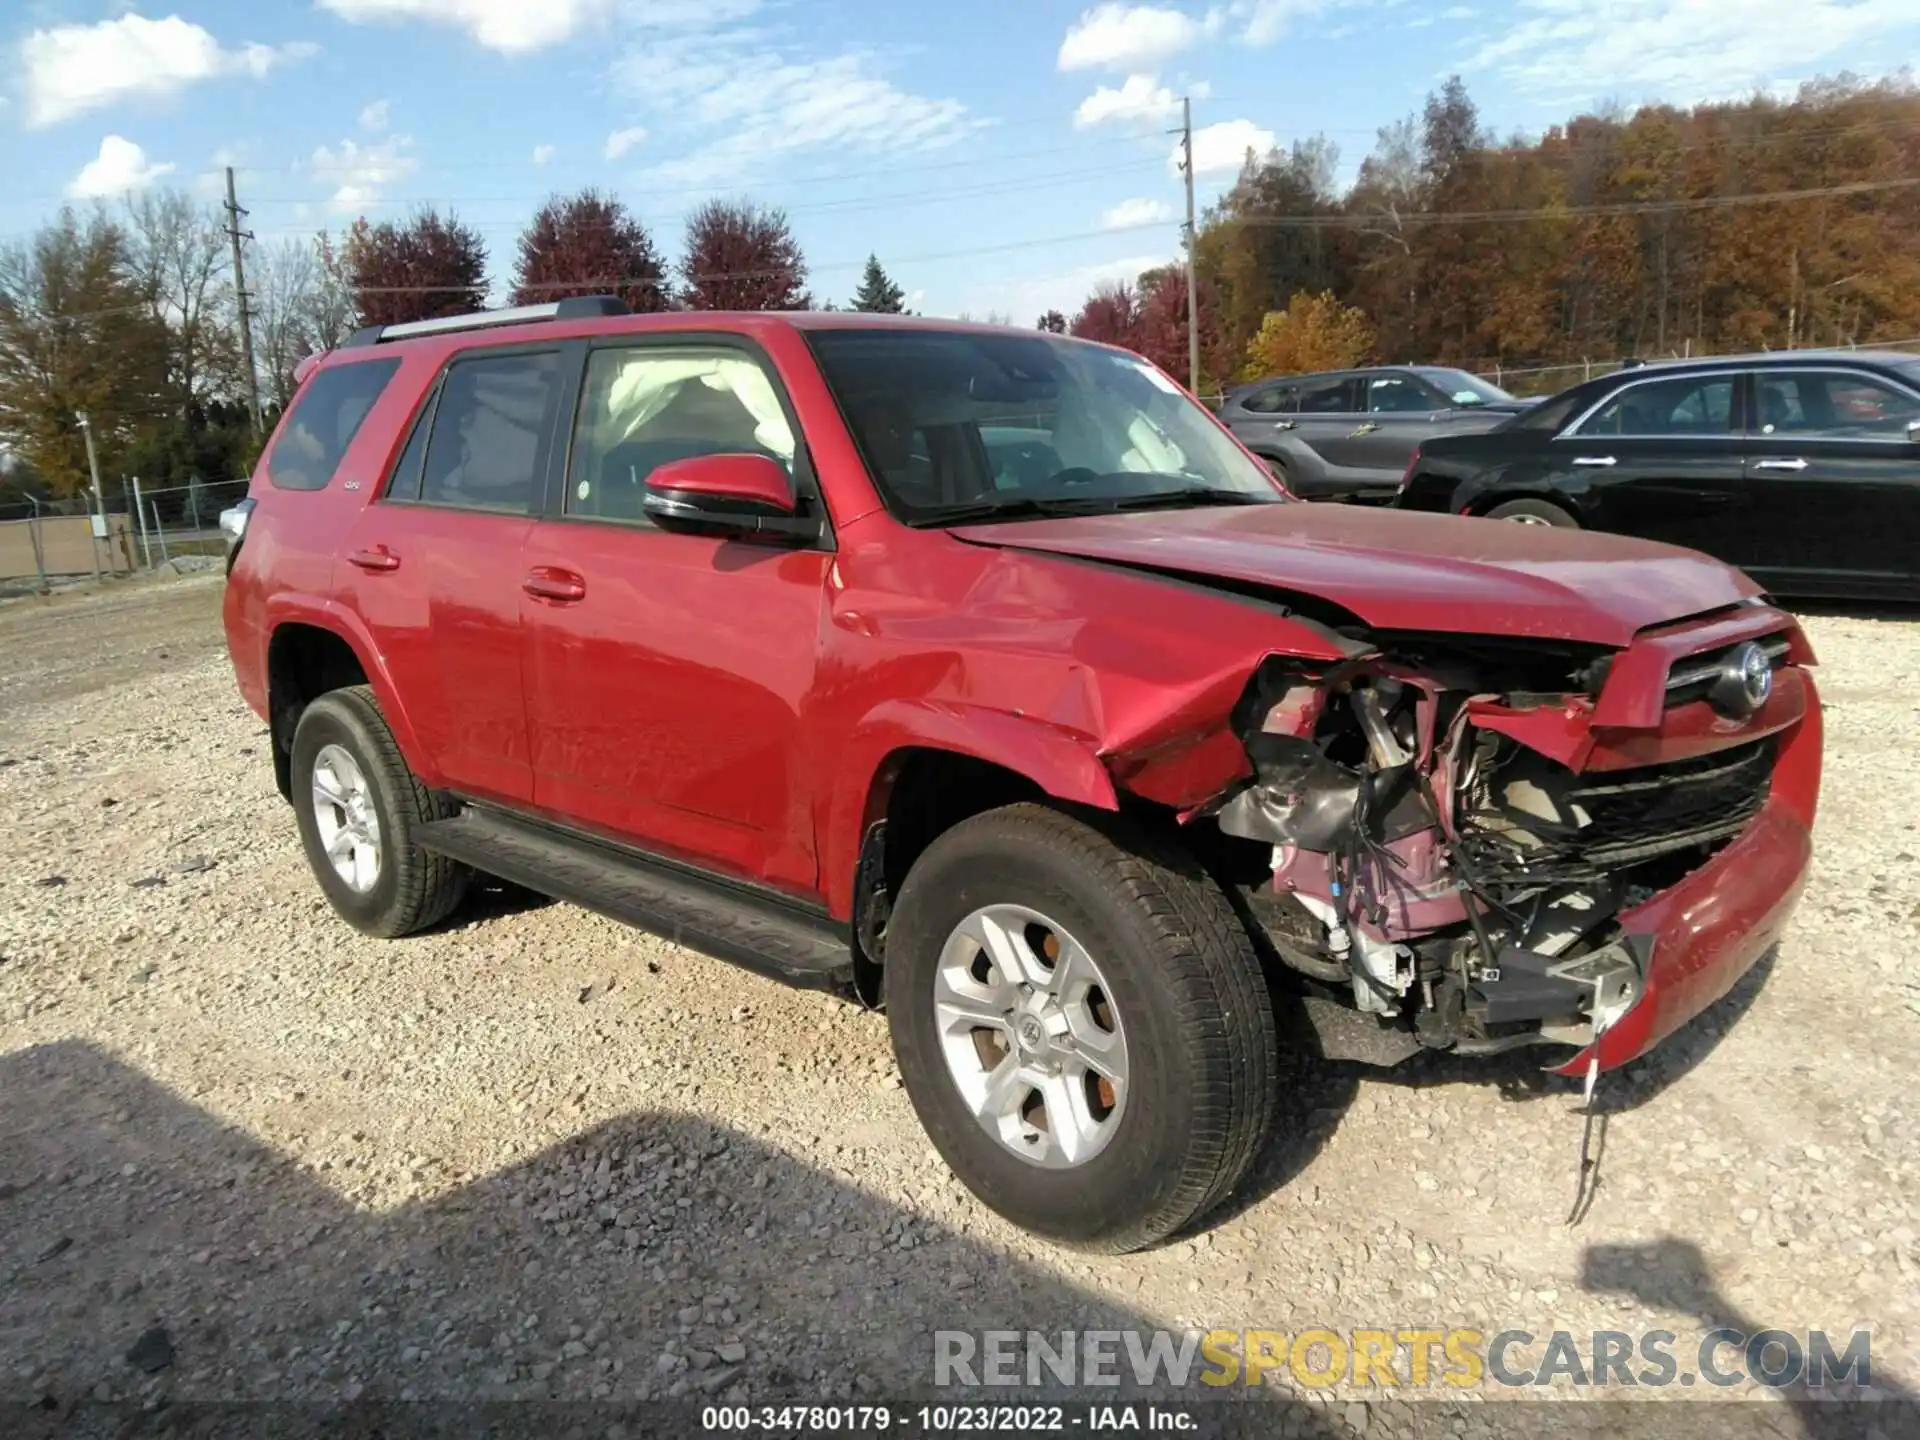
235 234
99 517
1185 133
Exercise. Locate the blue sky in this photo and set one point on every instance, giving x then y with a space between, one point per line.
997 154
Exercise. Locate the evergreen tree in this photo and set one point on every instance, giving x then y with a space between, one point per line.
878 295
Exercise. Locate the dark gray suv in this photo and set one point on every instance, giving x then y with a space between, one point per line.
1348 434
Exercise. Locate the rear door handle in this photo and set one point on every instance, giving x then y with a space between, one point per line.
553 585
1601 460
376 557
1794 464
1283 424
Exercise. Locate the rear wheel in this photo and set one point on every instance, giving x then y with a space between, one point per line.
1081 1024
1534 512
357 806
1275 467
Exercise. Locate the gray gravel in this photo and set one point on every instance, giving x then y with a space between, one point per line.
247 1153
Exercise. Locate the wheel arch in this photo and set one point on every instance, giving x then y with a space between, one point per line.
311 650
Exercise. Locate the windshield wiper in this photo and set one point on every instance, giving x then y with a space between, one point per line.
1013 507
1193 495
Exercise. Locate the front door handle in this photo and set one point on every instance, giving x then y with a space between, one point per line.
374 557
1283 424
1794 464
554 585
1601 460
1366 429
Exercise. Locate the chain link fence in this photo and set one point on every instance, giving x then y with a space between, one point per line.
47 543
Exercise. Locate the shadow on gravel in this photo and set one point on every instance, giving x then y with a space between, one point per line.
1673 1274
1315 1092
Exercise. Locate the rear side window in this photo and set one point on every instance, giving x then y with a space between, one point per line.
488 449
324 420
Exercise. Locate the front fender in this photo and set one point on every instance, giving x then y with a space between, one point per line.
330 615
1061 762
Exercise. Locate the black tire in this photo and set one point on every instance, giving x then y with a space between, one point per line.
1181 972
1538 512
1277 468
414 888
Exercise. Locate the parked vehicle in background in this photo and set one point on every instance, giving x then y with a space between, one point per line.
978 673
1801 467
1347 435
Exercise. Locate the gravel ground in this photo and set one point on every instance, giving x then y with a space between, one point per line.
535 1154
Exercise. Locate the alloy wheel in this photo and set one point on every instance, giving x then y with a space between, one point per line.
344 814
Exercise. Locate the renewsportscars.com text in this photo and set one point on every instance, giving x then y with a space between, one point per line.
1459 1359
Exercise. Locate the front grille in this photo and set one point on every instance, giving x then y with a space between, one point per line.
1692 676
1533 822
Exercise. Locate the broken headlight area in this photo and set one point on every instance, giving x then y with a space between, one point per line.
1457 887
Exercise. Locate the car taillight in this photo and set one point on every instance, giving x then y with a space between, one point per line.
1406 476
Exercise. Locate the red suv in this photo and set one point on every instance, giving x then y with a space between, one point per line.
981 674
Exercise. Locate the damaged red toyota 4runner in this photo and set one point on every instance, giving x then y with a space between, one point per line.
980 674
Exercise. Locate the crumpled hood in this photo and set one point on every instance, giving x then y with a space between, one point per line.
1400 570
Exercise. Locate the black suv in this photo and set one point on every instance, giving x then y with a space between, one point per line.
1802 468
1348 434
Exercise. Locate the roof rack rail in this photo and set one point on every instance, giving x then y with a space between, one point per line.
579 307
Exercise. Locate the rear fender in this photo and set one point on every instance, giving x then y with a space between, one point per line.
324 614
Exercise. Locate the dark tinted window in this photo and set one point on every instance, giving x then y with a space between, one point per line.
1272 400
405 484
1832 404
1685 405
645 407
324 421
1390 394
1329 397
490 432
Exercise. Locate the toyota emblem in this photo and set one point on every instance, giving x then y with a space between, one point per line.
1745 681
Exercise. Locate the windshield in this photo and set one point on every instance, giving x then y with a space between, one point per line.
1465 389
974 425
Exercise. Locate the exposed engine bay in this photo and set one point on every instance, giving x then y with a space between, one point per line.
1449 886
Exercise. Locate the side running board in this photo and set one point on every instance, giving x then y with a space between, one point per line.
762 932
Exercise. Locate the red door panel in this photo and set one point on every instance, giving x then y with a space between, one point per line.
439 589
664 699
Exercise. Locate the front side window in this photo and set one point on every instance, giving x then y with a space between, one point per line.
1831 405
489 443
963 425
1687 405
644 407
323 422
1399 394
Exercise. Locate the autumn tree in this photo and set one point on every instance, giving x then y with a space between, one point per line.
1110 315
1160 327
1314 332
78 332
739 256
878 295
426 266
179 253
588 244
1053 322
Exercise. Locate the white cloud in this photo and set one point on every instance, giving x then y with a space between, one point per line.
542 154
1127 37
1138 211
513 27
71 69
1139 98
1686 49
1458 12
359 173
374 117
1264 21
737 98
621 141
121 166
1223 147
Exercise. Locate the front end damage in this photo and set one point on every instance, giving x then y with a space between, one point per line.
1480 845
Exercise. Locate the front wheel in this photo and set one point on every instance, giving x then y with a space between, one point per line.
1534 512
1082 1025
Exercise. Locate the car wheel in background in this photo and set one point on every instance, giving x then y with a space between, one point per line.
1081 1024
357 804
1534 512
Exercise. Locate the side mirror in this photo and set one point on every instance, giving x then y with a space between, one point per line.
725 494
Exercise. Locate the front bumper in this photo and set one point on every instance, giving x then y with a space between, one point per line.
1710 928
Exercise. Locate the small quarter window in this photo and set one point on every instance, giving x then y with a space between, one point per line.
332 406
